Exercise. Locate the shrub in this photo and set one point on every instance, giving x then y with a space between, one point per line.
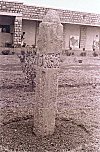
67 53
72 53
12 52
80 61
95 54
83 54
6 52
22 52
27 60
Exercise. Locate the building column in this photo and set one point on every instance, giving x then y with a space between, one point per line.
83 35
17 31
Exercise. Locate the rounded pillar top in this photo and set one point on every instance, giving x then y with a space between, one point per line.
51 16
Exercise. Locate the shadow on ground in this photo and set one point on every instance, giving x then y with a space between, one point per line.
19 136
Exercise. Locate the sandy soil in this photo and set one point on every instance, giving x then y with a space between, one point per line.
76 83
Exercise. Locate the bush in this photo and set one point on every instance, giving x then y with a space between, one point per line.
80 61
83 54
22 52
12 52
95 54
6 52
27 60
69 53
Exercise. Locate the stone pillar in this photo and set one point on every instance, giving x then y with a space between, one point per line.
17 31
83 32
50 43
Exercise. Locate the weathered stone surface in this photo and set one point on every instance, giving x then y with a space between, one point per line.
50 34
50 44
51 41
52 16
45 108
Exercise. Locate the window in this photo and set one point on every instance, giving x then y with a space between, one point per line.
5 28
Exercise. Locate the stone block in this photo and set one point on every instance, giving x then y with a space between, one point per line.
50 44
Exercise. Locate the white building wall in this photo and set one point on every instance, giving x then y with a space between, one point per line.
92 34
29 27
68 31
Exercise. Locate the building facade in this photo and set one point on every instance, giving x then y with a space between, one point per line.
80 29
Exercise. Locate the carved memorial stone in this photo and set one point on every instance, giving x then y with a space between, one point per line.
49 46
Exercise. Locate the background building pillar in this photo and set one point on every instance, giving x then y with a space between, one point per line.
17 31
83 34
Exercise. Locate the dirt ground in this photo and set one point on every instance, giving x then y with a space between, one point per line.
78 86
19 136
